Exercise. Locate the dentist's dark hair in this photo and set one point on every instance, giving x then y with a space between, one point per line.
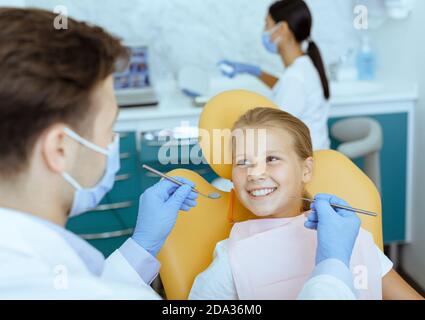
48 76
298 16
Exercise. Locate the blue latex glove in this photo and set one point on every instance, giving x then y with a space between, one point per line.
190 93
231 69
158 209
337 229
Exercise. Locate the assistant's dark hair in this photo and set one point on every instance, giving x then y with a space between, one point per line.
298 16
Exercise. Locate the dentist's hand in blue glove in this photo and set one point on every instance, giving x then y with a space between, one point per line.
337 229
231 69
158 209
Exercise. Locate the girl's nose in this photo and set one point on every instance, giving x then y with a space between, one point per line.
256 178
256 172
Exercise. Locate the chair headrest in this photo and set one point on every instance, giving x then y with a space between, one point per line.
216 122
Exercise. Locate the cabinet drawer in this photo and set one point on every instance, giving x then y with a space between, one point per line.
148 178
107 218
127 142
155 152
126 188
129 163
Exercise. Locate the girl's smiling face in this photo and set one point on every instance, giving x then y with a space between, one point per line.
269 179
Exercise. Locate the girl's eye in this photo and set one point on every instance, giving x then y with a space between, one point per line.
272 159
241 163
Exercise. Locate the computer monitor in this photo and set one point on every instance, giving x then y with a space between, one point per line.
133 85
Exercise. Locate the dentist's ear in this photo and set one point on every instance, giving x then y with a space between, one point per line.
308 170
56 148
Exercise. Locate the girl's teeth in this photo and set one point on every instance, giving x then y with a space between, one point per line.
262 192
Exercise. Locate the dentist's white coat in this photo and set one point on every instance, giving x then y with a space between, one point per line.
37 263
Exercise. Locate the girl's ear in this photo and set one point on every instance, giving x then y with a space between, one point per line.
308 168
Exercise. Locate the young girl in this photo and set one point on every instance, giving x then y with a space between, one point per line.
271 257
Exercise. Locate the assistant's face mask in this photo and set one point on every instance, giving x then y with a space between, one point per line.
271 46
86 199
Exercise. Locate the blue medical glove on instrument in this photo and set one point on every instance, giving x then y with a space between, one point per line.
158 209
337 229
231 69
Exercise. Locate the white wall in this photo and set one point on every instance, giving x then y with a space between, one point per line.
401 50
12 3
200 32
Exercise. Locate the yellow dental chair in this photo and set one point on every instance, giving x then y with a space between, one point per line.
189 248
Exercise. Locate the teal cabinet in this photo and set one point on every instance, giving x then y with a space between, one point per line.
393 173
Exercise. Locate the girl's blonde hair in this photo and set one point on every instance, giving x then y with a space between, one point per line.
269 117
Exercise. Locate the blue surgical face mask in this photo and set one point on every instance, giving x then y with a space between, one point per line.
267 40
86 199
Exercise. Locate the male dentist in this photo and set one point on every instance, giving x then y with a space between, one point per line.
59 157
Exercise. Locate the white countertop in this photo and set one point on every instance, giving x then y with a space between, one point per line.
175 106
372 92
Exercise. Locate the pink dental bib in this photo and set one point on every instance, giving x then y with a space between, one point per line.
273 258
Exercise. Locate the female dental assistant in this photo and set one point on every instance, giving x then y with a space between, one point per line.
303 89
59 157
